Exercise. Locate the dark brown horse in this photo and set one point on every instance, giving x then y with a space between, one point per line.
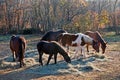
52 35
18 46
78 40
51 48
97 37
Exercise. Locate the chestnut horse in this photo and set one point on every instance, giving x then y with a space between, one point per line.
97 37
52 35
78 40
51 48
18 46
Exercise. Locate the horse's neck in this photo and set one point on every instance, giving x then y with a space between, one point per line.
60 49
100 39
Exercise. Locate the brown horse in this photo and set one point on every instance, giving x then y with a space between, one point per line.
97 37
52 35
51 48
18 46
78 40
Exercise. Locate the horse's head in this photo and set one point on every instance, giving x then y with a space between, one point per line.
67 58
95 45
103 47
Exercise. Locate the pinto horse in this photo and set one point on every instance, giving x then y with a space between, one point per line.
52 35
97 37
78 40
51 48
18 46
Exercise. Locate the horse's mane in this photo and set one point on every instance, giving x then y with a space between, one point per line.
52 34
60 49
100 37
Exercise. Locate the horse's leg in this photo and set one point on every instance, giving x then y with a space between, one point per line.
87 46
67 48
16 56
83 51
50 56
13 52
40 57
55 58
21 63
76 51
21 60
98 45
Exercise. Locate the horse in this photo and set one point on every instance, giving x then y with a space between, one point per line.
51 48
51 35
97 37
77 40
18 46
65 39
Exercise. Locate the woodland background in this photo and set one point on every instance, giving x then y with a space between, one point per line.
39 16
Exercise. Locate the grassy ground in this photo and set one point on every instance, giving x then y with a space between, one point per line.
113 41
110 70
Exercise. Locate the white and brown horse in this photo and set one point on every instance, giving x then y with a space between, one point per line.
78 40
97 37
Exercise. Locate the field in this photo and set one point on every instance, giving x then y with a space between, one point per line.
95 67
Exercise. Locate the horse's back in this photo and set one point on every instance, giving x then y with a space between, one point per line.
92 35
15 42
46 47
67 38
52 35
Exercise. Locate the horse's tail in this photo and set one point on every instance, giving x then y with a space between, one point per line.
21 49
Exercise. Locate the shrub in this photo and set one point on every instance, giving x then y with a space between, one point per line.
30 31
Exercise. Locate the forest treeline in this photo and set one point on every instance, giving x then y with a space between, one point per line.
34 16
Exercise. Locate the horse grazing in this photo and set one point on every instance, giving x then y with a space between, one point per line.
52 35
51 48
18 46
97 37
65 39
78 40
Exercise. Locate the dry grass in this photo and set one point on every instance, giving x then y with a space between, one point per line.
94 67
